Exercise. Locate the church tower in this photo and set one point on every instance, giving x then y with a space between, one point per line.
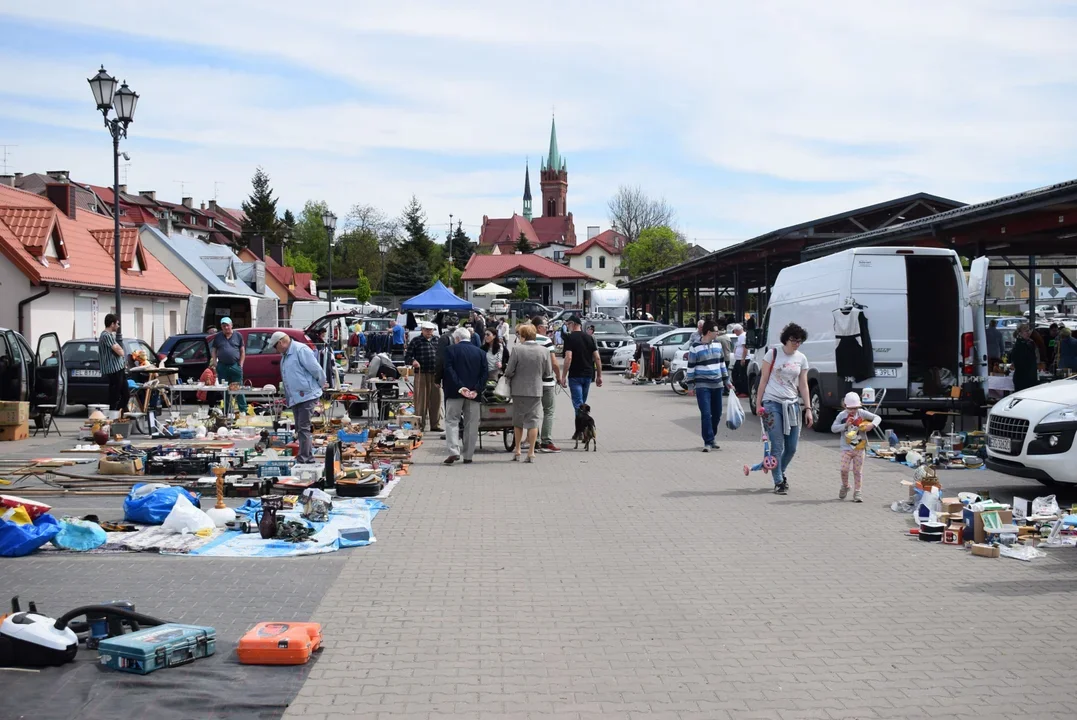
527 192
554 180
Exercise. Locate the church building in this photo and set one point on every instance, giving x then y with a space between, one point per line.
554 228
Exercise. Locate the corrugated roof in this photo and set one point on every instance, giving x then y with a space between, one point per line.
492 267
209 260
89 265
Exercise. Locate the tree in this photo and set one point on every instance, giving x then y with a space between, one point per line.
406 273
632 212
300 262
462 247
523 245
362 288
288 219
413 222
655 249
309 239
522 292
260 210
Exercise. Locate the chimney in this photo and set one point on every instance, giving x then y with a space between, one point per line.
18 176
123 189
60 176
7 180
213 205
188 202
62 195
258 247
276 251
202 206
165 222
151 194
593 230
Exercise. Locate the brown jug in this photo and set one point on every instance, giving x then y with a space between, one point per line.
267 516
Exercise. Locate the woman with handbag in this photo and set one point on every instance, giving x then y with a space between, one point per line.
528 364
497 354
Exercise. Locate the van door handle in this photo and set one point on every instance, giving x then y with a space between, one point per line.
274 362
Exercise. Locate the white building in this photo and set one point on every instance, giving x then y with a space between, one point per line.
599 256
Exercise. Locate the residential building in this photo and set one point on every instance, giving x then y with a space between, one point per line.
285 282
556 225
220 284
599 256
1007 287
549 282
38 183
57 271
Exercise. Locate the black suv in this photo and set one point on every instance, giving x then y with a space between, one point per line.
525 309
609 335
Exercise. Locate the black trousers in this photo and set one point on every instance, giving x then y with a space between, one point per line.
118 392
740 377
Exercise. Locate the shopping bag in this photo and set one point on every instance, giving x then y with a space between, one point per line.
152 507
502 388
17 540
734 413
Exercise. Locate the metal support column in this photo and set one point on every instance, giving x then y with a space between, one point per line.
669 303
680 306
738 298
1033 291
699 309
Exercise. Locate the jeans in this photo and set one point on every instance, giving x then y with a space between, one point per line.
783 447
578 387
549 396
710 411
233 373
303 412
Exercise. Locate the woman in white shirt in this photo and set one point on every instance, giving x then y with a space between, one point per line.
784 385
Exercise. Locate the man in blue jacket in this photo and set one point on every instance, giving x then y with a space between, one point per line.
303 379
463 379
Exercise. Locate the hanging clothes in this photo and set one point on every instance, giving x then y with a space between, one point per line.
854 355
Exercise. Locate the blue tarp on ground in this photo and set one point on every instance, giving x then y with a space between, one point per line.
438 297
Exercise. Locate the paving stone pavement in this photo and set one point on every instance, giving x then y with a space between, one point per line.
650 580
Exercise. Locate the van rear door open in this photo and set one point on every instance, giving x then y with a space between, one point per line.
878 282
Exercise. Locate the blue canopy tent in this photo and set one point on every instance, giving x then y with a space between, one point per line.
437 297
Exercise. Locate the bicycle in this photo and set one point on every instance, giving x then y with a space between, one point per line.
678 383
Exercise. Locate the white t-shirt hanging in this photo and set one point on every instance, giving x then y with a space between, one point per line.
784 383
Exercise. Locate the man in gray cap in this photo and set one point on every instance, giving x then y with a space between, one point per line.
227 354
303 379
422 355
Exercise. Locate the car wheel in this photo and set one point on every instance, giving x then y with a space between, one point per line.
823 416
753 393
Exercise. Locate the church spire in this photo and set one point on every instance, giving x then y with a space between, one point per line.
527 191
553 162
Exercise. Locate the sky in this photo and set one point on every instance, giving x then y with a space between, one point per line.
745 117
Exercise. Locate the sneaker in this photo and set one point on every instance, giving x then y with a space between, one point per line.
843 493
706 448
747 471
549 447
782 488
856 497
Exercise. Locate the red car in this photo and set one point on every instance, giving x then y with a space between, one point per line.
190 353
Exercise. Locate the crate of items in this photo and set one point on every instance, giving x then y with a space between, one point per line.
14 413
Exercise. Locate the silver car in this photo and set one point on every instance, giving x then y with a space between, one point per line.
668 342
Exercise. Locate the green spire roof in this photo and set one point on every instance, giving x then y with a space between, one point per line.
553 162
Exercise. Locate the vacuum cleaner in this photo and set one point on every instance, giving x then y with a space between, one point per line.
32 640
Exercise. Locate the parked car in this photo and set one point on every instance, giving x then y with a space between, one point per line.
82 361
527 308
1030 433
499 307
668 342
640 332
28 376
190 353
609 336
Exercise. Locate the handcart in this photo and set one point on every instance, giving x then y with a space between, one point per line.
494 416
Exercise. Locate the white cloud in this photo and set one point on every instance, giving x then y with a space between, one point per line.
877 99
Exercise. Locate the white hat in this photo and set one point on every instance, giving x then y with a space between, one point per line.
852 400
427 326
276 338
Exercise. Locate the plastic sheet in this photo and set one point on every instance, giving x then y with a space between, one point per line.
152 508
80 535
18 540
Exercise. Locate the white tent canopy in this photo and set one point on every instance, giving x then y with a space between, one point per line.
492 289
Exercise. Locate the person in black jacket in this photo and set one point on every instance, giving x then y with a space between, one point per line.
497 355
464 379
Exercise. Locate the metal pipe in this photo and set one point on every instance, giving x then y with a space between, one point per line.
27 301
115 129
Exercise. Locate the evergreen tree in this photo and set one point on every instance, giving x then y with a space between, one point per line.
362 288
406 273
418 238
261 212
523 245
522 292
288 219
462 247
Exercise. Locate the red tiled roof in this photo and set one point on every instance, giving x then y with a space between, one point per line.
298 284
129 243
507 230
89 264
491 267
552 230
33 226
604 240
132 213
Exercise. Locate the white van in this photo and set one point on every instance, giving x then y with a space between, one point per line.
921 315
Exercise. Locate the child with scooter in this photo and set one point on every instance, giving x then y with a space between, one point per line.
769 461
854 423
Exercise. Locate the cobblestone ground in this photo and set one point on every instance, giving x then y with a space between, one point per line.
651 580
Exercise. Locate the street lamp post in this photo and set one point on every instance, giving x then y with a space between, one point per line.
123 101
383 248
450 250
329 220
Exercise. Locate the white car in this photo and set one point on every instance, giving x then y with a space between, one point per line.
679 361
622 357
1030 433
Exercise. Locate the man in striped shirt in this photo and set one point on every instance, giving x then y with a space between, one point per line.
549 388
113 364
708 375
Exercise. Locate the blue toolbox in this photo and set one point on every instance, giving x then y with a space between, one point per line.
158 647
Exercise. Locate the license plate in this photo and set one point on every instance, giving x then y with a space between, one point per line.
886 372
86 373
1001 444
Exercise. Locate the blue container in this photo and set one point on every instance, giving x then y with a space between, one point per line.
158 647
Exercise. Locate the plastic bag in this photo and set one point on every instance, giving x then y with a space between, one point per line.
81 535
152 508
17 515
1021 552
186 518
734 413
18 540
1046 506
503 388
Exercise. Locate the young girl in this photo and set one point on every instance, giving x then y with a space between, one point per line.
854 423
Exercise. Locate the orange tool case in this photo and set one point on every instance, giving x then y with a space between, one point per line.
277 643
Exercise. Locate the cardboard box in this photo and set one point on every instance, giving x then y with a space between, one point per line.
14 432
119 467
990 551
14 413
974 523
